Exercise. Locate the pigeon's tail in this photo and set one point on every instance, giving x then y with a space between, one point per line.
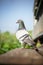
37 50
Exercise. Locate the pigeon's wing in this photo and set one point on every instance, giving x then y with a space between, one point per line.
28 40
21 33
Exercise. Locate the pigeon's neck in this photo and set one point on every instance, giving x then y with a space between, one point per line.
21 26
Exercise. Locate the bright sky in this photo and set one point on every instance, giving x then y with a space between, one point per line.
12 10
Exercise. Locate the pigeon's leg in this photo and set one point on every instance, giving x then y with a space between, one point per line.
24 45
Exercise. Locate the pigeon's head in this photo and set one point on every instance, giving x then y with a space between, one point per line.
21 24
19 21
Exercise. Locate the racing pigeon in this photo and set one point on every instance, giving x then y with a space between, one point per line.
23 36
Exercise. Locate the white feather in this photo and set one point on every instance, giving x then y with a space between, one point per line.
21 33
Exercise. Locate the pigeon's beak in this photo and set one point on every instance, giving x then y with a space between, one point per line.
17 22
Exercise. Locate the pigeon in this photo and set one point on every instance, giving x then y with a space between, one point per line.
23 36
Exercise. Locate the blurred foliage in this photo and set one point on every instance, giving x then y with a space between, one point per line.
27 46
30 32
38 44
8 41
